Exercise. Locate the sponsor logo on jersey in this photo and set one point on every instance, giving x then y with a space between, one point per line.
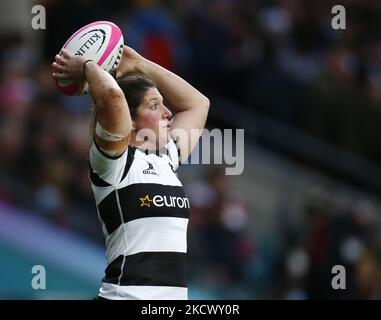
164 201
146 201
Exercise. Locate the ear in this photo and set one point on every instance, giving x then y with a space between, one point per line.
133 126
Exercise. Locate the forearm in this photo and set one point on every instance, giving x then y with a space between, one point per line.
110 104
101 83
180 94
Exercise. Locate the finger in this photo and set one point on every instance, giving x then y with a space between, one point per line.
60 76
57 67
65 53
60 60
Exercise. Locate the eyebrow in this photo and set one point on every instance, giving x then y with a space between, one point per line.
158 99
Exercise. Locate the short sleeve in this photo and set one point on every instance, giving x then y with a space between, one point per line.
110 170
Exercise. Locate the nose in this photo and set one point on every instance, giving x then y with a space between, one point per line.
167 114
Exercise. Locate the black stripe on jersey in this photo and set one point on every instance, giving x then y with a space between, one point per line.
174 204
105 154
109 212
95 179
130 159
149 269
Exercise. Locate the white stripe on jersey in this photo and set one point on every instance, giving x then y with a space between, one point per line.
148 235
114 292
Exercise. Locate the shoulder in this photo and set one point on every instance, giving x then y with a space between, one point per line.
110 169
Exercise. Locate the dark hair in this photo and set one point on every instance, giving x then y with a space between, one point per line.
134 86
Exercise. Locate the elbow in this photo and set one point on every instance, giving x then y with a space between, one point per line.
114 94
206 104
111 98
203 106
107 95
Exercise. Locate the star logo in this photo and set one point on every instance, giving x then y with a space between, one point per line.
146 201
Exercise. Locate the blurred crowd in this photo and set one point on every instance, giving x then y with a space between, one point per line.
230 261
279 58
333 232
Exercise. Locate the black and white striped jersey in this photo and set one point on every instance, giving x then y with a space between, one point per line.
144 214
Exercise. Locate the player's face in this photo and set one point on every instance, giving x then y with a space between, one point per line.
153 115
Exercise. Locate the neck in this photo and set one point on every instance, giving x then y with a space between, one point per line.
145 144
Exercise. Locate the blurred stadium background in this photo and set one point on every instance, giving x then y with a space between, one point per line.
308 97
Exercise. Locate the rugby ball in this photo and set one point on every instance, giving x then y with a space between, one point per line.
100 41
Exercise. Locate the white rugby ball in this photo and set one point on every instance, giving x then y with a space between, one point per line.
100 41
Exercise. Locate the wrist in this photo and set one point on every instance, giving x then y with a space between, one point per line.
85 64
141 65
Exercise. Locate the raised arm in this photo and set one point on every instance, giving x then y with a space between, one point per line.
191 107
113 120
